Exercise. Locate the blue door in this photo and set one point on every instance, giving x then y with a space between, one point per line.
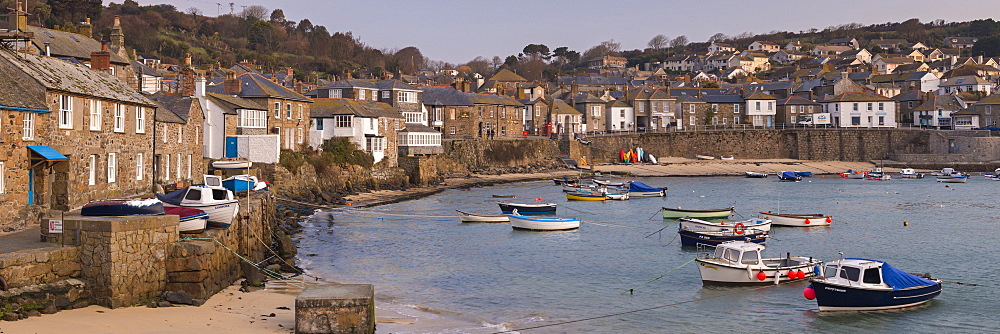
31 186
230 147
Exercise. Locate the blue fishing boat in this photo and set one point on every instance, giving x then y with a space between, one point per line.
868 285
695 238
789 176
805 174
639 189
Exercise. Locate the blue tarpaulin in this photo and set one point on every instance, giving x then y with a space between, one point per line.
175 197
47 152
640 187
899 279
788 175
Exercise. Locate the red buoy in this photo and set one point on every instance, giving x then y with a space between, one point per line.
761 276
791 274
538 199
829 220
809 293
807 222
800 274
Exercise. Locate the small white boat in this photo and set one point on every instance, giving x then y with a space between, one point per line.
220 204
853 174
947 172
468 217
910 173
953 179
232 164
617 196
755 175
727 157
739 227
537 223
785 219
704 157
740 262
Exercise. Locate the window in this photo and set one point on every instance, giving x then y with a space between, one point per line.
28 126
715 120
869 106
119 118
855 106
385 95
65 112
408 97
361 94
692 109
179 175
850 273
300 139
758 105
95 115
288 111
770 106
692 120
451 130
92 170
736 120
193 194
451 114
792 119
881 106
336 93
252 119
140 120
736 109
112 167
856 120
749 258
180 133
164 132
277 110
189 167
166 167
715 108
503 130
989 109
301 111
342 121
319 124
139 166
503 112
595 110
881 120
3 177
493 111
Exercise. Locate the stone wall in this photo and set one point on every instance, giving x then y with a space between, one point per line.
484 155
39 266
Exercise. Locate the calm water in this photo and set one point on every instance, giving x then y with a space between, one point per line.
496 278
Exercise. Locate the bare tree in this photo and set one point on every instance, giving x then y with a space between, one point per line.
718 37
254 13
194 11
495 63
601 50
659 42
679 42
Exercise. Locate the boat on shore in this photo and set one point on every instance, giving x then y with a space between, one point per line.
219 203
869 285
695 238
669 213
786 219
639 189
789 177
740 227
727 157
190 220
519 222
123 207
741 262
469 217
755 175
953 179
803 174
232 164
704 157
527 208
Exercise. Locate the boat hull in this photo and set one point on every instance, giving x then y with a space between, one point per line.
531 209
692 238
543 224
669 213
661 193
953 179
123 208
713 271
699 225
836 297
581 196
468 217
221 213
618 196
755 175
192 226
797 220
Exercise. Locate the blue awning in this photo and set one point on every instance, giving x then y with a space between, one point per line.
40 111
48 153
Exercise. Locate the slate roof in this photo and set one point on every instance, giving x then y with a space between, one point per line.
857 97
560 107
913 95
445 96
798 101
759 95
57 75
255 85
912 76
505 75
965 80
350 83
63 43
418 127
618 104
394 84
841 40
992 99
587 98
722 99
945 102
231 103
173 108
493 99
241 69
329 107
584 80
144 70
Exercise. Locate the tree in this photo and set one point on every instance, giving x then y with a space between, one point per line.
912 29
987 46
718 37
982 28
538 50
658 42
410 59
679 42
254 13
605 48
479 65
510 61
495 63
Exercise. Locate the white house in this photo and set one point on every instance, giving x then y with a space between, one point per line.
761 109
620 116
965 83
717 47
249 139
764 46
937 111
861 110
369 125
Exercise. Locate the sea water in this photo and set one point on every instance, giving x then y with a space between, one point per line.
420 256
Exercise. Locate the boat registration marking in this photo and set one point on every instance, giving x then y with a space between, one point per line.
835 289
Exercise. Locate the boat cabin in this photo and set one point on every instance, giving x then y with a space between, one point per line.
739 252
213 181
206 194
856 272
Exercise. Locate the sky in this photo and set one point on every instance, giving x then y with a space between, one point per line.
458 31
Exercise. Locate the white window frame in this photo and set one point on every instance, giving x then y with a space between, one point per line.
301 110
288 111
300 136
112 167
65 112
28 126
361 94
387 93
407 97
343 121
140 120
3 177
277 110
179 162
138 166
189 166
180 134
95 115
736 108
336 93
92 170
166 167
595 110
256 119
119 118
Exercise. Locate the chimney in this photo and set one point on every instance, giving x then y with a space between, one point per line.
200 86
298 85
574 90
843 75
232 85
100 60
187 60
187 81
48 49
980 62
289 71
117 37
86 28
21 16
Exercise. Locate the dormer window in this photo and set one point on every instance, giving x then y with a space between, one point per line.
336 94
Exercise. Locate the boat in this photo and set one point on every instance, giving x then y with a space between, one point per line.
877 174
755 175
853 174
868 285
527 208
238 183
609 183
469 217
953 179
995 176
740 227
947 172
727 157
191 220
639 189
123 207
803 174
585 196
617 196
232 164
695 238
789 176
704 157
669 213
504 196
741 262
786 219
220 204
519 222
910 173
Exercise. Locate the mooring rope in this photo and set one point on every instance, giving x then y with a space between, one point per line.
630 291
268 272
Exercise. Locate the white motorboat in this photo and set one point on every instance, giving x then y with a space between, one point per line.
740 262
947 172
953 179
869 285
785 219
853 174
468 217
995 176
617 196
232 164
755 175
537 223
220 204
739 227
910 173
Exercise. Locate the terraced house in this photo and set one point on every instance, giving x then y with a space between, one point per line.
70 135
289 111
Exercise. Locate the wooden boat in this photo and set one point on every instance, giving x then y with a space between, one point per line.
232 164
468 217
219 204
797 219
504 196
519 222
123 207
789 177
740 227
585 196
639 189
191 220
953 179
755 175
869 285
704 157
527 209
740 262
669 213
694 238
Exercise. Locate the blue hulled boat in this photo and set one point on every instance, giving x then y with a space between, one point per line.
789 176
527 209
868 285
639 189
692 238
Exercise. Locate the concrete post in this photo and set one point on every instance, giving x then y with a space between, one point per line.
338 308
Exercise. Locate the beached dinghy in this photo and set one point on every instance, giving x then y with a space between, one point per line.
740 262
755 175
785 219
123 207
191 220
